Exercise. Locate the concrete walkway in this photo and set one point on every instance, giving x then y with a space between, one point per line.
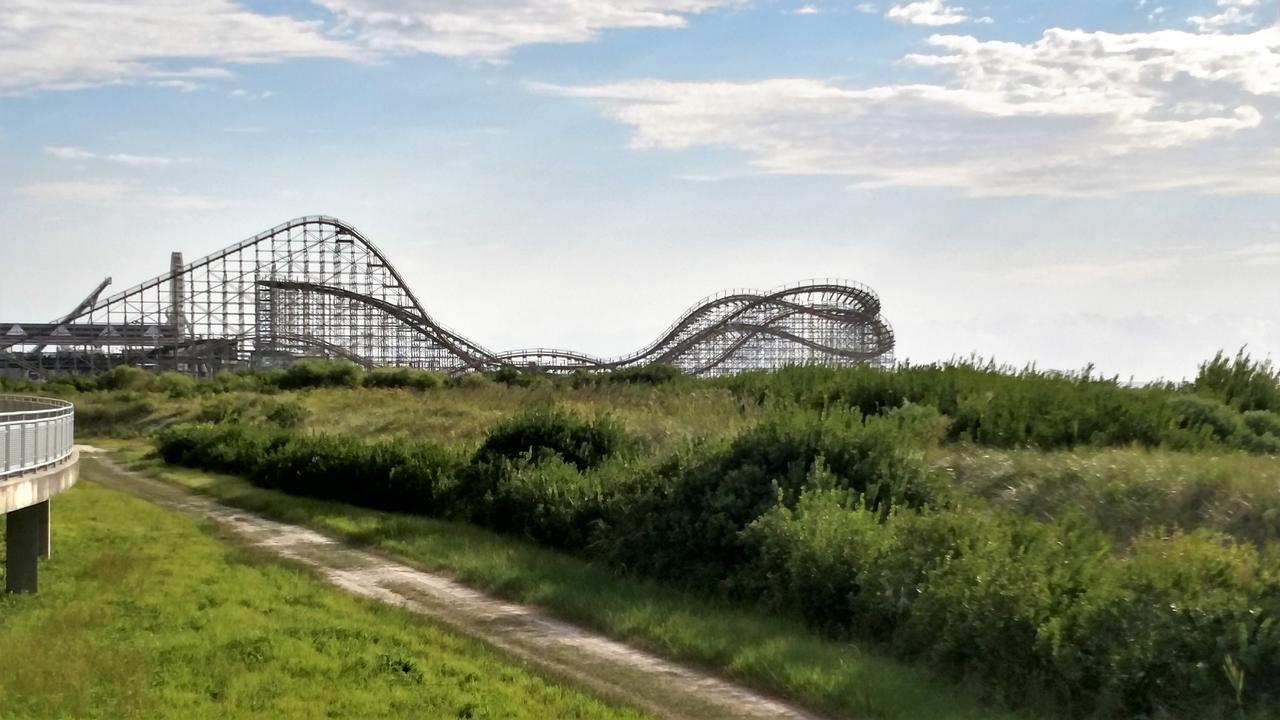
586 659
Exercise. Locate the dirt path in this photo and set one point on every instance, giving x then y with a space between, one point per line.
605 666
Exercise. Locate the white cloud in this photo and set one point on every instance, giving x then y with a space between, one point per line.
68 152
77 44
930 12
491 29
805 10
868 8
181 44
1073 113
1265 253
1232 15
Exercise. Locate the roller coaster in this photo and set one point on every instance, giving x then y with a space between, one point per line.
316 287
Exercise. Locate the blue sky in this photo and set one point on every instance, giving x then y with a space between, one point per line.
1048 182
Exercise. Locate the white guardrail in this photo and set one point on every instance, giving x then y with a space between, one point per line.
34 433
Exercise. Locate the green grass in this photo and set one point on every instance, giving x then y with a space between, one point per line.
661 418
767 651
1127 491
146 613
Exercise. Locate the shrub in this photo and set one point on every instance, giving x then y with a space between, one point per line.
397 475
469 380
176 384
15 385
542 433
319 373
1046 612
1240 382
656 374
79 383
231 448
402 377
1206 420
689 525
124 377
550 501
244 380
1262 422
119 415
988 405
516 377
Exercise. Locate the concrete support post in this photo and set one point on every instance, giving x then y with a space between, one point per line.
43 529
22 546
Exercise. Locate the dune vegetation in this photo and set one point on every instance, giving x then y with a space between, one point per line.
1063 545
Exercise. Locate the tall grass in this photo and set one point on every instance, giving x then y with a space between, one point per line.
844 519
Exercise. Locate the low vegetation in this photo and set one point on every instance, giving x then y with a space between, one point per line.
1074 546
773 651
143 613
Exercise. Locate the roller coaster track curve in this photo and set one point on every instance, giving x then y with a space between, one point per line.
316 286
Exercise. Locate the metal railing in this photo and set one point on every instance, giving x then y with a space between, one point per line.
35 432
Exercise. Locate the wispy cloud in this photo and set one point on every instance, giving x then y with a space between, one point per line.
490 30
1073 113
931 12
72 45
81 44
1231 15
1265 253
69 152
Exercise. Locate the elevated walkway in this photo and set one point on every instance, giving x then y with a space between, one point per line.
38 460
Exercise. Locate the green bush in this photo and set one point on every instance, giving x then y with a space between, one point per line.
1047 613
1205 419
176 384
469 380
542 433
516 377
688 525
15 385
230 447
245 380
397 475
988 405
1240 382
402 377
124 377
550 501
118 414
1262 422
79 383
656 374
319 373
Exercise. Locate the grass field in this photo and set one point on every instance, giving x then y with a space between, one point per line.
771 652
146 613
1060 544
